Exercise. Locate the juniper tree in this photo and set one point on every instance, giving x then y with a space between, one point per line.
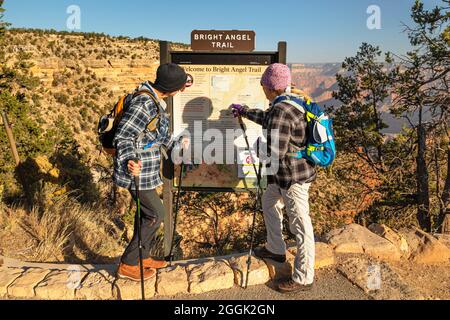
422 89
31 138
363 89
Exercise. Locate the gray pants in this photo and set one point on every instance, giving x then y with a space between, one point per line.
152 215
296 200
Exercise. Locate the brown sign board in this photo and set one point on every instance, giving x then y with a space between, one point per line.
223 40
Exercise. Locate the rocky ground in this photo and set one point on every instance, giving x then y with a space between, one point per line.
352 263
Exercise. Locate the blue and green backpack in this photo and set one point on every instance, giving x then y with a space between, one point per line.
320 148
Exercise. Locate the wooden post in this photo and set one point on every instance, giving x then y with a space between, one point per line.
164 57
12 141
282 52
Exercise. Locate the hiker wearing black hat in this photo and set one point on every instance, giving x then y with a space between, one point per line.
142 134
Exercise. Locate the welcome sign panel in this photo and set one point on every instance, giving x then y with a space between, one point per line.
218 154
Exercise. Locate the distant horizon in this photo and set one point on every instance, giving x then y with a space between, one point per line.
323 31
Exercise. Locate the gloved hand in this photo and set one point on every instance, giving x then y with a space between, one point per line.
238 109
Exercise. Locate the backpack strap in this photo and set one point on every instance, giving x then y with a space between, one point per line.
309 115
147 93
296 105
151 126
289 100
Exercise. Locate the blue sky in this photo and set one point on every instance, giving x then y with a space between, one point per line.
316 30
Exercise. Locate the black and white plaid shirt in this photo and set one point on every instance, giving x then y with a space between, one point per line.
291 125
133 123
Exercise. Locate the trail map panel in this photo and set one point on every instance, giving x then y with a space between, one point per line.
206 106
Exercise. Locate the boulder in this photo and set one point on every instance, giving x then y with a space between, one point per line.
131 290
259 273
443 238
425 248
376 279
59 285
96 286
412 239
395 238
446 222
7 276
172 281
354 238
280 271
209 276
324 255
23 286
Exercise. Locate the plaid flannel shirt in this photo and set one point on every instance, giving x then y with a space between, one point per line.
291 125
131 138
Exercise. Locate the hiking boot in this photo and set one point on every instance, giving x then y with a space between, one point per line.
290 286
133 273
154 264
263 253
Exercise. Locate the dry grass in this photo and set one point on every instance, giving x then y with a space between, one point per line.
49 231
62 230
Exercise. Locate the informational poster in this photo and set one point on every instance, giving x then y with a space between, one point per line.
248 161
219 155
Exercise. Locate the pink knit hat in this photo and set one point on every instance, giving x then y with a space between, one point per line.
277 77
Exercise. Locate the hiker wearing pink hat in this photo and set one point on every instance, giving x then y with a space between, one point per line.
277 77
289 186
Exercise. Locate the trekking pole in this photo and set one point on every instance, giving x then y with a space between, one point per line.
177 205
138 222
258 179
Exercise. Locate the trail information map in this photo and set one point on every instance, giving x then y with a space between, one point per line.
205 106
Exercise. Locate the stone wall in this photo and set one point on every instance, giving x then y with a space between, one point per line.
67 282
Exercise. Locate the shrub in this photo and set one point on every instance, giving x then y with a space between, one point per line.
83 113
61 98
